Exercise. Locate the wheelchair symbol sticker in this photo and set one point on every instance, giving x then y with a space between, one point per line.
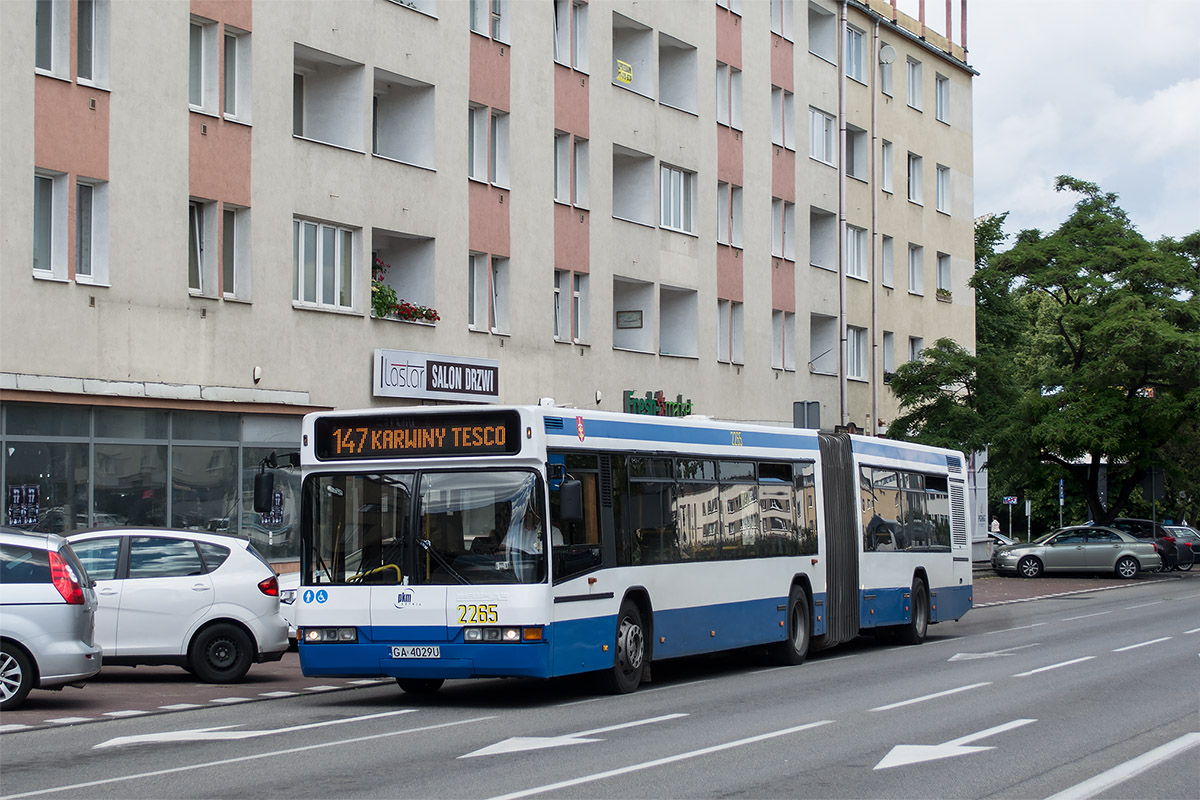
320 595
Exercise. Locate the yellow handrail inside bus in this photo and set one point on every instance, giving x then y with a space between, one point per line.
360 576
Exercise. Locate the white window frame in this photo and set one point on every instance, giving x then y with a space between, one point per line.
570 34
52 38
822 134
942 98
888 346
343 277
579 307
562 167
204 89
885 167
944 276
943 189
856 252
579 171
50 221
783 340
730 332
856 54
95 73
488 293
729 96
916 344
783 118
856 352
915 179
235 277
729 214
783 229
781 18
887 268
478 138
858 149
239 84
498 166
916 269
912 72
490 18
96 222
885 74
677 199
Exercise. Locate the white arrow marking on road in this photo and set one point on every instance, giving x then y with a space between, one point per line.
915 753
224 734
1008 651
519 743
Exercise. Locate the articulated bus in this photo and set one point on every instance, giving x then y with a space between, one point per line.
485 541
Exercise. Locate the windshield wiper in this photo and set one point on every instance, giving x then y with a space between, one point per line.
427 546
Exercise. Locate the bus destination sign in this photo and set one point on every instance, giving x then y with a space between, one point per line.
370 436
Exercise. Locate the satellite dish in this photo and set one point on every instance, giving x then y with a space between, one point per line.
887 54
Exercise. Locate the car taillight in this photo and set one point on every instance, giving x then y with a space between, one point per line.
1170 539
269 587
65 580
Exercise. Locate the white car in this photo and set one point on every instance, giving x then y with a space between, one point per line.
208 602
289 585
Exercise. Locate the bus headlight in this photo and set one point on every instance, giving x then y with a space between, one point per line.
515 634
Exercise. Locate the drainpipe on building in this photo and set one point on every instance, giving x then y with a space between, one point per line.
842 377
876 244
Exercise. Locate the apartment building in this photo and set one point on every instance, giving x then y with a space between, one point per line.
222 214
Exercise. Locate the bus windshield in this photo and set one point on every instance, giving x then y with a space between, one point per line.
477 527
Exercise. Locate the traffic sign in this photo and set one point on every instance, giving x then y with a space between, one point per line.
1010 501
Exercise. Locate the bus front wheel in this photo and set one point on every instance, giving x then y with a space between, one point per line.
918 624
626 671
420 685
793 650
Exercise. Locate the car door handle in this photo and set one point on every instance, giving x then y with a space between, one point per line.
200 587
109 592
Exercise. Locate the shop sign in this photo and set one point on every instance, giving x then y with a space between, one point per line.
656 404
429 376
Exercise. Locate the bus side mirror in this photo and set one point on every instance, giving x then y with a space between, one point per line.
264 487
570 501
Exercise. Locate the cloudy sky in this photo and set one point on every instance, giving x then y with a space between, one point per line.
1107 91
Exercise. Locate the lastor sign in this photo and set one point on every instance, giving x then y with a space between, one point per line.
428 376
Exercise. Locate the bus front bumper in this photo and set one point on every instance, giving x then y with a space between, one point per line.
420 660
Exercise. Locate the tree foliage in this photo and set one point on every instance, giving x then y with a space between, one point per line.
1088 357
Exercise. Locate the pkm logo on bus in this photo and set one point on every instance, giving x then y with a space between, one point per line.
405 598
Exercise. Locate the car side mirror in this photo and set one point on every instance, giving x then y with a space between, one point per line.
264 488
570 501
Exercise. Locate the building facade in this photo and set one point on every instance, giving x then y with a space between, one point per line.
222 214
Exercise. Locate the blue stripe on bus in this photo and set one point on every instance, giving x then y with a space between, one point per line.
647 432
891 607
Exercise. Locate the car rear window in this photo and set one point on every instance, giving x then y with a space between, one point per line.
19 564
214 554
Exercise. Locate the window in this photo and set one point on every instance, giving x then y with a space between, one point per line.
823 345
498 149
91 42
885 167
327 98
570 169
633 55
579 160
91 231
943 189
633 315
487 145
678 314
729 214
915 345
943 274
783 340
856 252
237 75
942 98
202 66
677 190
325 264
729 96
822 134
822 238
487 302
889 353
633 185
201 230
677 74
490 18
404 262
730 332
783 118
160 557
402 119
822 33
570 306
857 144
235 252
914 178
913 68
916 269
781 18
570 33
52 34
477 142
856 352
887 269
50 226
856 56
783 229
885 74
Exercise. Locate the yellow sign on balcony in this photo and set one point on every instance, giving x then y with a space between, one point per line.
624 72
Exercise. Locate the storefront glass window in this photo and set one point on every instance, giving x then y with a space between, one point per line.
204 488
130 423
274 533
130 485
46 486
47 420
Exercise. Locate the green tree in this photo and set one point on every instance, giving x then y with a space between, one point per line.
1088 356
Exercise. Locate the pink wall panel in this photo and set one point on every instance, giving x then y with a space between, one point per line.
729 38
218 160
783 285
783 174
571 101
238 13
68 136
488 210
729 155
782 59
729 273
571 240
490 67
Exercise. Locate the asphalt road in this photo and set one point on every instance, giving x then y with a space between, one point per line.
1087 692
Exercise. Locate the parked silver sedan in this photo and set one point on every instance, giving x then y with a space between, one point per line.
1084 548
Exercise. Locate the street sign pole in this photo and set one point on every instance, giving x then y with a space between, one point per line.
1028 523
1060 502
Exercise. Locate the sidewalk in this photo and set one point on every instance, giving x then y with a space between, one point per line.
993 590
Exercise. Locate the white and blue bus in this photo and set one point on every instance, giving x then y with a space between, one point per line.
460 542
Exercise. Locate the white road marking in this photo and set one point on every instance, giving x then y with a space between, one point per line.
520 743
180 706
240 759
1018 628
129 713
278 694
993 654
1144 605
320 688
224 734
658 762
1141 644
904 754
233 700
70 720
1130 769
13 727
1086 616
1053 666
915 700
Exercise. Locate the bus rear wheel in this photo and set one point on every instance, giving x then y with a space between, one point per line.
420 685
626 671
794 649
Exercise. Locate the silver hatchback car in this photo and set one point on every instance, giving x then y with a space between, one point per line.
47 616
